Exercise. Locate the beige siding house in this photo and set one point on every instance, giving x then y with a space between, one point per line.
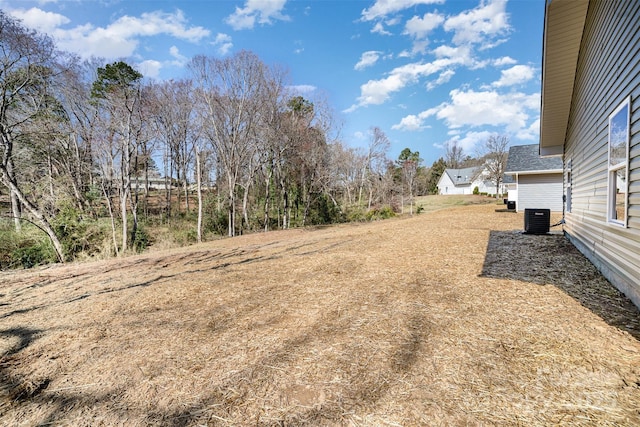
538 180
591 117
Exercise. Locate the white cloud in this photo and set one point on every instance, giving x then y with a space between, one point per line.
223 43
359 135
382 8
488 20
179 59
40 20
419 46
530 133
443 78
474 109
150 68
367 59
303 89
412 122
515 75
419 28
260 11
471 140
117 40
379 29
378 91
87 41
505 60
488 108
459 54
154 23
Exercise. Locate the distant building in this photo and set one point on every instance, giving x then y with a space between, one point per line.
464 181
537 181
156 182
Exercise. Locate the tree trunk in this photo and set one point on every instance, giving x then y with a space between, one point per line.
267 195
232 205
123 211
112 217
199 190
245 205
16 209
285 204
8 169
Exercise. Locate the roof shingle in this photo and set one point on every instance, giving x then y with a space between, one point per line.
526 158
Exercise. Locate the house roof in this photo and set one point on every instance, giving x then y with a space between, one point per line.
463 176
525 159
508 179
563 26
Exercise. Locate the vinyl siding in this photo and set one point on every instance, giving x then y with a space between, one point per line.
542 191
608 71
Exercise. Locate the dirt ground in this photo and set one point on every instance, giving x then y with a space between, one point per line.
451 317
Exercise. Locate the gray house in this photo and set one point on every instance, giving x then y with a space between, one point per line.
538 180
590 118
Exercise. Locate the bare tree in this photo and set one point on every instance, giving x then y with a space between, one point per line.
230 89
267 136
374 163
454 154
82 129
27 64
345 165
175 125
495 153
274 142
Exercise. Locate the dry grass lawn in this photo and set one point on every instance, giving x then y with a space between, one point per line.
451 317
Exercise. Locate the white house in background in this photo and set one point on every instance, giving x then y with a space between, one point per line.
154 180
590 119
538 181
463 181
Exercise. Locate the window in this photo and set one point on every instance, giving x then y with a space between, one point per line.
618 165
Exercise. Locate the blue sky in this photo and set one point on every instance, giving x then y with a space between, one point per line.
424 71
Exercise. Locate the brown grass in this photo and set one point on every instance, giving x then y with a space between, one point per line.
451 317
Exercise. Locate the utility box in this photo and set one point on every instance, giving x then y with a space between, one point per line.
537 221
511 205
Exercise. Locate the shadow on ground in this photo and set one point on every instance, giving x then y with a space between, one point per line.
551 259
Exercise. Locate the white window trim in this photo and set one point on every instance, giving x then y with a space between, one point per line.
612 170
569 184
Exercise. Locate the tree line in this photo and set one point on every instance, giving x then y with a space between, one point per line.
238 150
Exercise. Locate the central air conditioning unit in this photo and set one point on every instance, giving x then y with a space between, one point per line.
537 221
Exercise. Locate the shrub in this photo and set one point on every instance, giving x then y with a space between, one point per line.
215 214
37 253
324 211
383 212
26 249
217 222
355 214
476 190
77 233
141 240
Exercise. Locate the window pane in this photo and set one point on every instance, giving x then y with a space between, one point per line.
618 133
621 194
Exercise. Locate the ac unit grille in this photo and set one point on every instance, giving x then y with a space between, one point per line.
537 221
